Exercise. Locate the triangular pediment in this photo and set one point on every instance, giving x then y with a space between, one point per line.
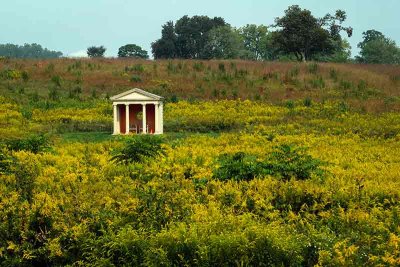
136 94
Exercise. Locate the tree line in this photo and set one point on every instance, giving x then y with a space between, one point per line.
297 35
27 51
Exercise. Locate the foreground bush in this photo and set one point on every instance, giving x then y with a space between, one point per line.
288 162
285 162
237 167
138 148
34 143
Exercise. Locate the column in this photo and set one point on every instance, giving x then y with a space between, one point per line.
116 125
127 119
144 125
156 127
161 119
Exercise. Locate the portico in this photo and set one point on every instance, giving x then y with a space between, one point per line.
137 111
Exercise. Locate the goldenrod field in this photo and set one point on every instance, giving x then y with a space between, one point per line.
287 175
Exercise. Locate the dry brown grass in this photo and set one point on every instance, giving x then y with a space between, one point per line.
371 88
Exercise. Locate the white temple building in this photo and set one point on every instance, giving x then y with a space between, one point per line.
137 111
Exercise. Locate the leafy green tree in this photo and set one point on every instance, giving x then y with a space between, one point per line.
187 38
27 51
342 53
96 51
166 46
256 41
132 50
377 48
192 34
223 43
304 36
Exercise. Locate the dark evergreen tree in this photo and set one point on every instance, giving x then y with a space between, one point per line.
187 38
166 46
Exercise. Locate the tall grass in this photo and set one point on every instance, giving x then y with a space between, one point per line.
216 80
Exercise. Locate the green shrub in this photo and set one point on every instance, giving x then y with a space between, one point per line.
136 79
288 162
174 99
237 167
5 161
26 169
34 143
26 112
10 74
307 102
25 76
135 68
345 85
75 93
317 83
362 85
285 162
53 93
56 79
138 149
290 104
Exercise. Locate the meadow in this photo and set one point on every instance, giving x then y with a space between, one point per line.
262 164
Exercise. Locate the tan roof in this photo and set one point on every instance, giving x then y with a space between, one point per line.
137 91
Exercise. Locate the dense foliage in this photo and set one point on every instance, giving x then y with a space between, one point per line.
378 49
298 34
138 149
96 51
304 174
27 51
72 205
187 38
286 162
132 50
303 35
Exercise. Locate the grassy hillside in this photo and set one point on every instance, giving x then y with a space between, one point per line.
372 88
288 165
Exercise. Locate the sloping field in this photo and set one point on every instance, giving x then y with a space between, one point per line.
262 164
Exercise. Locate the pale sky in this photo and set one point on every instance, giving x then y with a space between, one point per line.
70 26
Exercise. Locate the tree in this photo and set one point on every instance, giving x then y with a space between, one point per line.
223 43
27 51
166 46
187 38
132 50
304 36
96 51
192 34
341 54
378 49
256 41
